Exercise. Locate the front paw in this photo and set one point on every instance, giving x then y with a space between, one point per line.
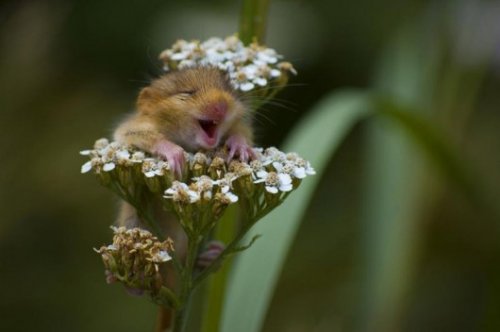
172 153
239 147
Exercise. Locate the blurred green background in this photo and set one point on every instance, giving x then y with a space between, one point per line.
397 238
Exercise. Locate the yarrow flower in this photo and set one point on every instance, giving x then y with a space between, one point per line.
210 182
134 258
249 67
180 192
275 182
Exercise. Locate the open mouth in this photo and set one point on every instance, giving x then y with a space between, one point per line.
209 127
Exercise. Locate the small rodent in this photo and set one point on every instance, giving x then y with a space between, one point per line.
189 109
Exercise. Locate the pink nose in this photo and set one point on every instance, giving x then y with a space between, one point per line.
217 110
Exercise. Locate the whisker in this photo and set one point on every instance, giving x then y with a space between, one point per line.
155 63
132 80
290 107
259 98
288 85
265 117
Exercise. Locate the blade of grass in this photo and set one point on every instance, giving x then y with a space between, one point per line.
256 271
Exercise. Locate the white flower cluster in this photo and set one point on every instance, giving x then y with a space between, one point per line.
248 67
202 188
106 156
285 168
212 177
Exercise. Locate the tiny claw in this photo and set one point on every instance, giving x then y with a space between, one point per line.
174 154
212 251
238 146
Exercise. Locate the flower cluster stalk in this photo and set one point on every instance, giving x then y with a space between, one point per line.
253 20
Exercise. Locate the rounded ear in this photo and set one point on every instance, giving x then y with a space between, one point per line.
146 93
147 100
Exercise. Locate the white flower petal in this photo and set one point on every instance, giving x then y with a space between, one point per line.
277 166
109 167
309 169
299 172
260 81
179 56
267 57
275 73
170 191
272 190
284 178
232 197
86 167
247 86
150 174
261 174
286 187
101 143
193 196
122 155
138 156
163 256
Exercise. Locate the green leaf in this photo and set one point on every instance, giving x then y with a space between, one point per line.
257 270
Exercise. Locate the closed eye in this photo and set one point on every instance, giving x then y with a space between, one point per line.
187 92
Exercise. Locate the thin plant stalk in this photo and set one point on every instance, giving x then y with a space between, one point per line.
216 284
253 20
187 284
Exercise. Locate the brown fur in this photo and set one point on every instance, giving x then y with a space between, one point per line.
169 107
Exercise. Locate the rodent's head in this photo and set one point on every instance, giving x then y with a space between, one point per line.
193 107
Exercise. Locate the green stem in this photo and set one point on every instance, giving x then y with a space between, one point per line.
253 20
166 293
187 284
216 286
176 262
